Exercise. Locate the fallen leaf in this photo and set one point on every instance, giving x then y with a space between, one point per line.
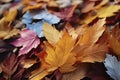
59 55
6 31
5 49
93 53
78 74
11 15
66 13
41 16
10 65
113 66
107 10
97 71
28 40
90 5
51 34
93 33
114 45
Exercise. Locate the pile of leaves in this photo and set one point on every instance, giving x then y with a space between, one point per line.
59 39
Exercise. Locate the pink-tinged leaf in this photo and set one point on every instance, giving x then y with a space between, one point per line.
28 40
66 13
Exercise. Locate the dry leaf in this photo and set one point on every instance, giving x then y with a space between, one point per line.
51 34
6 31
78 74
91 53
93 33
114 45
60 54
11 15
107 10
91 6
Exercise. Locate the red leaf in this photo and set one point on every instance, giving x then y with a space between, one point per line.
10 65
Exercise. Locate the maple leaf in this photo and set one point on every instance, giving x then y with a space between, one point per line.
90 5
66 13
113 66
66 3
91 53
5 30
86 48
60 54
10 65
93 33
78 74
57 57
114 40
51 34
114 45
11 15
28 40
107 10
41 16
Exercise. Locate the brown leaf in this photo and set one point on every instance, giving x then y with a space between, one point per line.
78 74
10 65
5 29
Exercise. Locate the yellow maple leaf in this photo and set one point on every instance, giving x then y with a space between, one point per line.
51 34
106 11
60 54
92 34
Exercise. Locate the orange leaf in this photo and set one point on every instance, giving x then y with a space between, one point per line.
93 33
60 54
